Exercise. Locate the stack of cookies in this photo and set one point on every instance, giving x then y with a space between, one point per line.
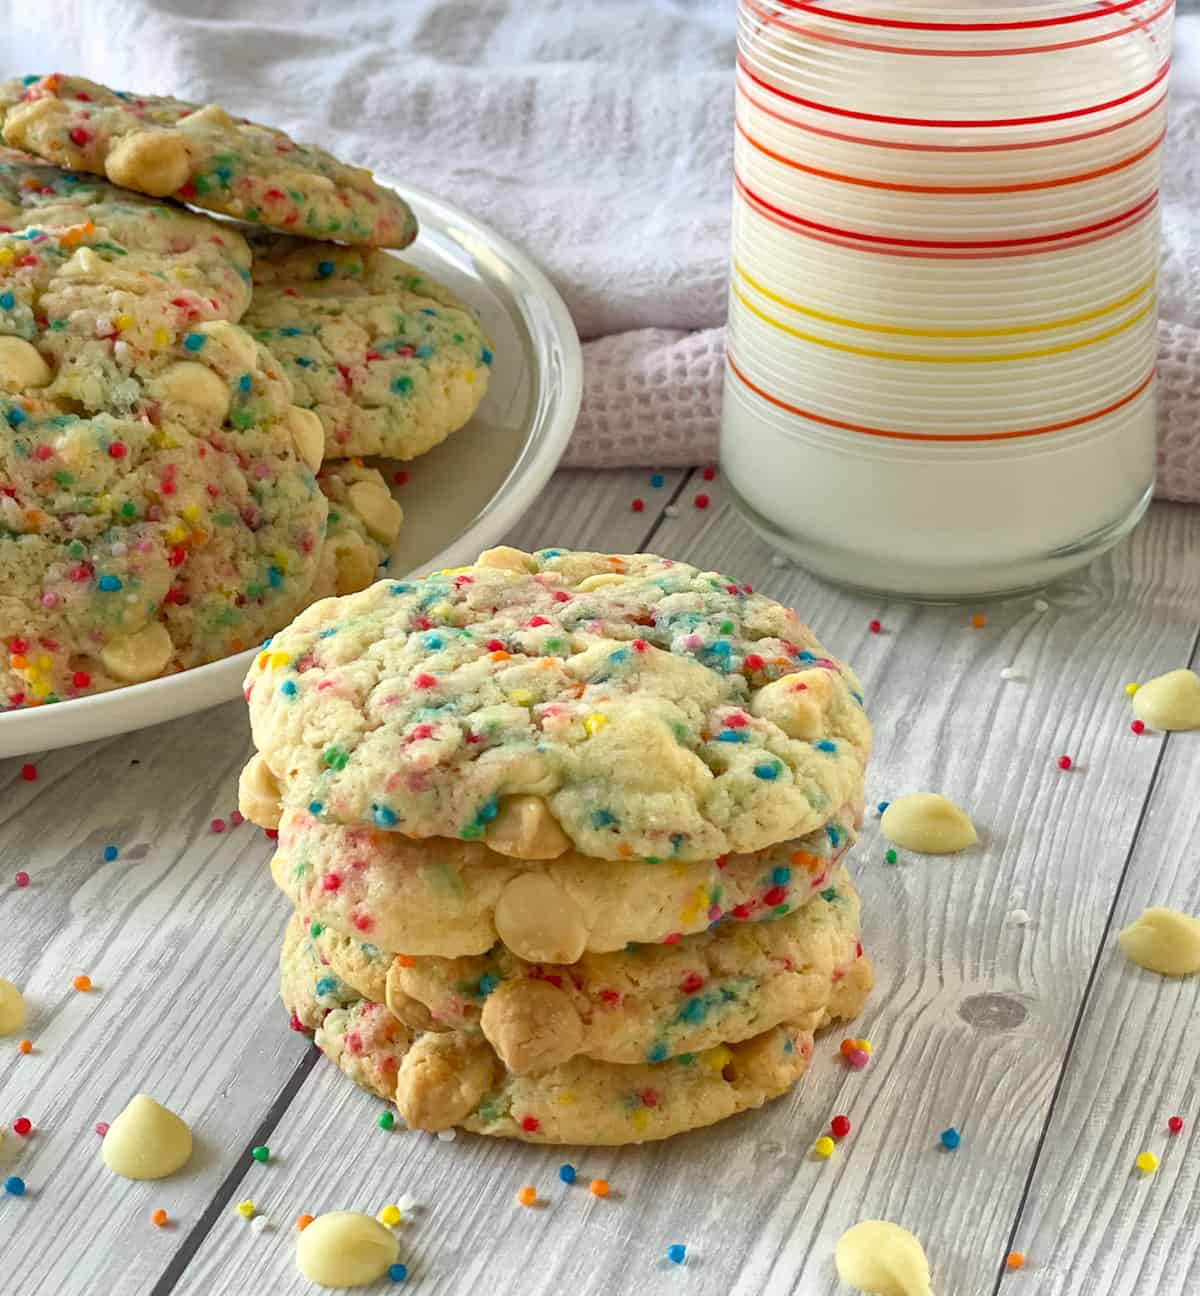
184 401
565 837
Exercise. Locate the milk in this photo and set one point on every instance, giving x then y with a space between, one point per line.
942 340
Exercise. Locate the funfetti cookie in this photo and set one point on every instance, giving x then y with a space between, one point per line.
454 898
650 709
201 155
389 360
364 521
447 1078
135 545
643 1003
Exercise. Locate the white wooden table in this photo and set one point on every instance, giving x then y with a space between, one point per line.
1058 1062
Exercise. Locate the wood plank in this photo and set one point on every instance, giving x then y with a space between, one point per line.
969 1020
1090 1217
180 936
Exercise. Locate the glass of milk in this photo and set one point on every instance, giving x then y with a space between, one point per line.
943 300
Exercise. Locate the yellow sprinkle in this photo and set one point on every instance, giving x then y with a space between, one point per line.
594 723
191 512
567 1098
1131 689
177 535
282 559
278 659
7 256
823 1147
1147 1163
389 1216
123 322
865 1045
441 612
521 697
468 375
161 337
44 663
452 571
695 907
245 1208
717 1059
639 1118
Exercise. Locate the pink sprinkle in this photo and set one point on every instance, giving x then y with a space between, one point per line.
1138 727
701 501
101 1128
424 681
858 1058
236 818
271 833
217 825
29 773
672 939
362 922
638 505
22 879
297 1025
561 596
1064 762
400 477
709 474
1175 1124
875 626
49 599
536 621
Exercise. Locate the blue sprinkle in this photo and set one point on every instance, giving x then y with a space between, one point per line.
290 332
110 854
424 351
826 746
244 383
858 697
383 816
401 588
402 385
805 656
551 553
694 1012
266 643
657 480
882 806
7 300
37 76
833 833
315 807
488 811
951 1138
288 688
194 341
788 1046
485 356
397 1272
622 654
767 772
326 985
274 577
325 269
677 1253
16 416
566 1172
14 1186
109 584
487 983
733 735
603 818
304 362
781 876
426 310
721 648
657 1053
433 641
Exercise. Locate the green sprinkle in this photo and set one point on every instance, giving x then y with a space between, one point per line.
890 857
727 627
830 894
315 929
261 1154
335 758
385 1120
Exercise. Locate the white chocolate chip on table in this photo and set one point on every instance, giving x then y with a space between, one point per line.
345 1249
1170 702
12 1008
928 823
1164 941
883 1259
146 1141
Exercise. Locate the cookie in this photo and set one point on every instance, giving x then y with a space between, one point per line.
390 361
364 521
201 155
641 1004
658 711
442 1079
131 547
452 898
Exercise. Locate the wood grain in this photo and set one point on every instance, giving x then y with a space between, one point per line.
180 936
970 1021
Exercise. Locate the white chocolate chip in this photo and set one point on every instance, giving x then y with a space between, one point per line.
140 656
353 563
525 829
796 703
506 558
12 1008
1169 702
345 1249
86 264
308 436
146 1141
441 1079
209 115
532 1025
258 794
189 383
599 581
154 162
379 513
236 341
1164 941
21 365
928 823
878 1257
539 921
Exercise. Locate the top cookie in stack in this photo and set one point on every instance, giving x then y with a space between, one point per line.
562 824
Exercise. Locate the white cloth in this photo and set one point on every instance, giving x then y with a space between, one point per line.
597 135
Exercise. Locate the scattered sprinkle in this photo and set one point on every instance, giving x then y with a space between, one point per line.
875 627
677 1253
21 879
110 854
1138 727
14 1185
101 1128
823 1147
979 621
951 1138
1175 1124
261 1154
598 1187
397 1272
567 1172
82 983
1131 689
709 473
701 501
1147 1163
158 1218
657 480
1018 918
778 560
858 1058
1064 762
1015 1260
889 857
1040 606
672 510
407 1203
1009 673
29 773
385 1120
882 806
217 825
236 818
260 1224
23 1126
303 1221
447 1135
245 1209
527 1196
638 505
389 1216
840 1126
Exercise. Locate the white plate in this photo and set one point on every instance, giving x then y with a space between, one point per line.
460 498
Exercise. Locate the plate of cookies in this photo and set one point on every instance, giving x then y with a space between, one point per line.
237 376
